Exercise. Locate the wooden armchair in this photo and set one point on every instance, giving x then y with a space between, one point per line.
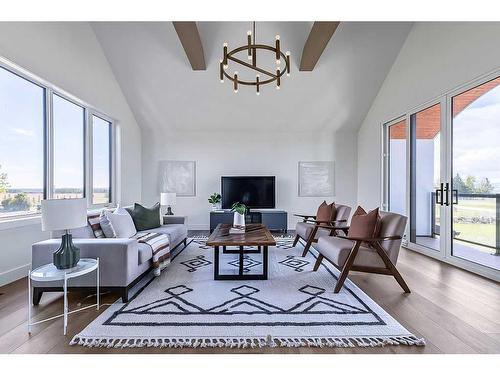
373 255
310 229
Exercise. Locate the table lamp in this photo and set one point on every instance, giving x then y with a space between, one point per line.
168 199
64 214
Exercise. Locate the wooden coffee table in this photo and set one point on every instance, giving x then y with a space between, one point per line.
255 235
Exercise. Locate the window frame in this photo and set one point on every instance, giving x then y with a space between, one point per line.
48 141
89 160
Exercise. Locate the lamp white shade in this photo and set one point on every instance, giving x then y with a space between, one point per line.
62 214
168 199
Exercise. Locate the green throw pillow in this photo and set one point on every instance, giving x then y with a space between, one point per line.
145 218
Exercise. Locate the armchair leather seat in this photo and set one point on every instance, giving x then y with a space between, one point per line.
304 230
337 250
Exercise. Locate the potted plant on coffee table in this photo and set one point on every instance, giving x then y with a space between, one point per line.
239 210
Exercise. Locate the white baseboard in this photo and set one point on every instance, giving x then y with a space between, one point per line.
14 274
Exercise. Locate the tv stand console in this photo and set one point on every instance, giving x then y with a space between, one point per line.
274 220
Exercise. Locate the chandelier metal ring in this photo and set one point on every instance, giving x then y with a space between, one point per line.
251 47
263 71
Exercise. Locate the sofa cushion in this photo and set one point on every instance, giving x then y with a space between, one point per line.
145 218
145 252
304 230
122 223
176 233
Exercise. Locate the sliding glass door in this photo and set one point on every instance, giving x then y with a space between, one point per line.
442 170
426 180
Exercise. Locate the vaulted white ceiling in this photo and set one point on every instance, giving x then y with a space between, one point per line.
165 93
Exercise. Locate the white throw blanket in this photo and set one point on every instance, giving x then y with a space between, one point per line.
159 244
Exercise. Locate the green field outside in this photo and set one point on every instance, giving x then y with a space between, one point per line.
483 233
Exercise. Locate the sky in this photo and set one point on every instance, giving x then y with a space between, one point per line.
21 138
476 139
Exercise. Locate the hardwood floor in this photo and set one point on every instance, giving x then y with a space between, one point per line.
454 310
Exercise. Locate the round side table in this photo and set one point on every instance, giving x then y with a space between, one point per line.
49 272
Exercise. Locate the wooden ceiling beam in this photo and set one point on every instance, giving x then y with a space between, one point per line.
191 42
317 41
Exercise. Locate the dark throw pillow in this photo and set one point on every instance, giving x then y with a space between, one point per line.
145 218
364 225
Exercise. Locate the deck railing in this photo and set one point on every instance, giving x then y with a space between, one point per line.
457 197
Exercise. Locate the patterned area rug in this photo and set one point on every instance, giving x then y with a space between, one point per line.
185 307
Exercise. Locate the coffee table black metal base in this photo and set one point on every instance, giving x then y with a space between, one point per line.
241 276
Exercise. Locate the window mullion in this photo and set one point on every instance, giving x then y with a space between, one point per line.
49 145
89 159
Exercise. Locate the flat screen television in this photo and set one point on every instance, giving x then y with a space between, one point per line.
253 191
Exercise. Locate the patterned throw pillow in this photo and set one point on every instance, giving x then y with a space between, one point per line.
94 223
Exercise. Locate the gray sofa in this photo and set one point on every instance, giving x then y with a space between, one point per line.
123 261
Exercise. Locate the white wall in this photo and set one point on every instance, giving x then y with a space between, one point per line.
435 58
69 56
249 153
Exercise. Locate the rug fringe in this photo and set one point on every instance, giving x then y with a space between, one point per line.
318 342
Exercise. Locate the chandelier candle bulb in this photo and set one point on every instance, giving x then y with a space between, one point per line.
225 55
278 52
249 42
288 63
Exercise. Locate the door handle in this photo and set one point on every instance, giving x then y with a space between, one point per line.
439 193
455 193
447 190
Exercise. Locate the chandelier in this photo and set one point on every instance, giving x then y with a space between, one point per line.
251 47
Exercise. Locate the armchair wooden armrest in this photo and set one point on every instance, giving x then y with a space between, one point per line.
376 239
305 216
326 221
333 228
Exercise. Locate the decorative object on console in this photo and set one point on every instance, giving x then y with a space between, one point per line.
178 177
215 200
239 210
145 218
168 199
316 178
64 214
251 47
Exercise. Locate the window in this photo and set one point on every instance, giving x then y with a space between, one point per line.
69 127
396 153
22 123
53 146
101 160
425 140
